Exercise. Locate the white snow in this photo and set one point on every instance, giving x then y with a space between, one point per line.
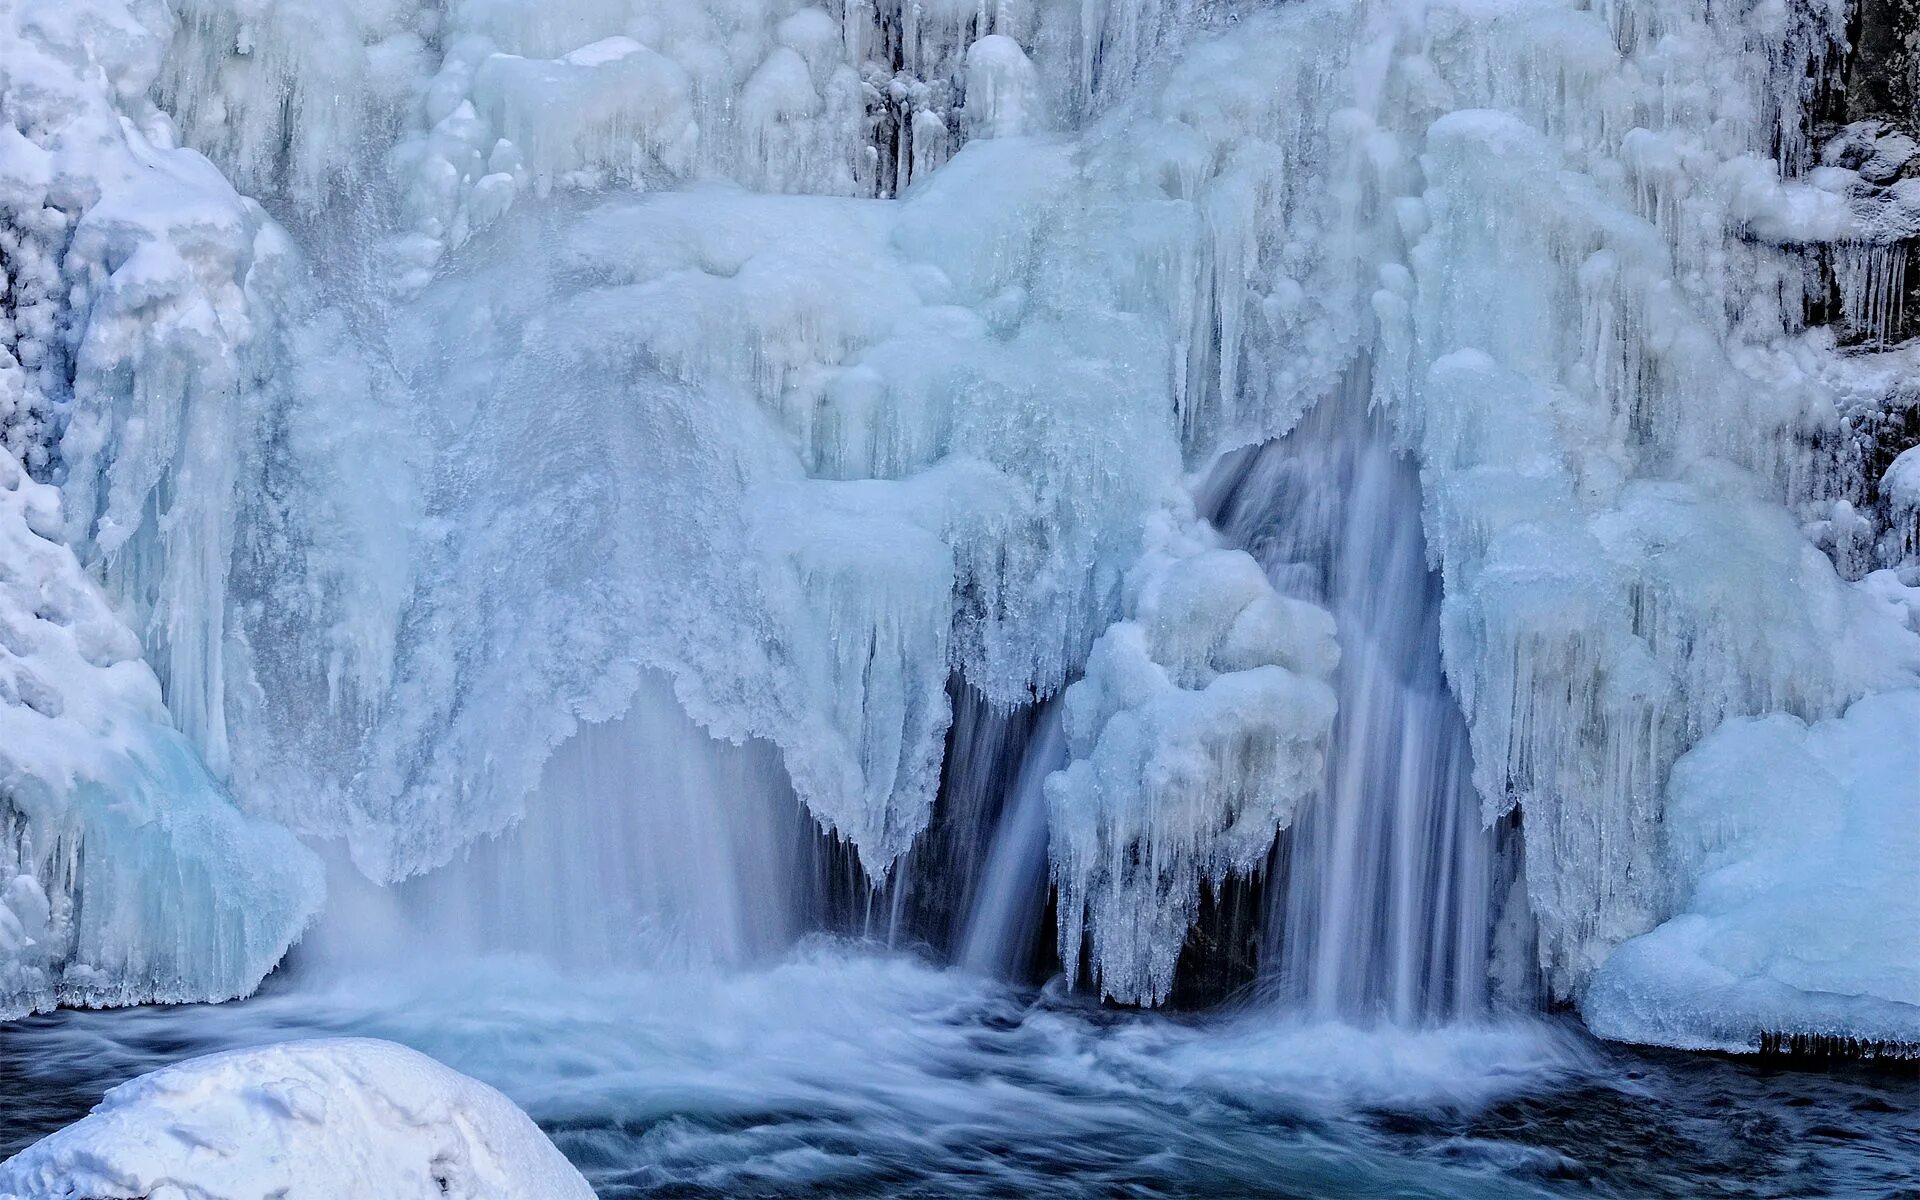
299 1120
1791 848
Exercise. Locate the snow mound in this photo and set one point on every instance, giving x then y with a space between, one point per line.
125 873
1792 847
299 1120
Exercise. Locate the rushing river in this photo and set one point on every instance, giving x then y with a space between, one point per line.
843 1072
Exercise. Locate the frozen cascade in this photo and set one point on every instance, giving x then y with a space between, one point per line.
800 359
1384 899
909 342
126 873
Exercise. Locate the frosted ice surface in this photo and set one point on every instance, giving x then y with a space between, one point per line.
1790 848
126 875
301 1120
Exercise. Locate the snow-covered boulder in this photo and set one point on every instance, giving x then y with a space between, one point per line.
337 1117
1792 848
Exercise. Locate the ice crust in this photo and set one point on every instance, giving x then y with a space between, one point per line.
323 1118
812 356
1791 848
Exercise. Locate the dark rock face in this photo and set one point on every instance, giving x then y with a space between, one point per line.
1865 287
1882 78
1867 120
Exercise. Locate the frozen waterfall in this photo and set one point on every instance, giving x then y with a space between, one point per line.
1157 492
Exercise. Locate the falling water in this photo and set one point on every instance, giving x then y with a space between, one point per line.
1010 900
1383 904
655 844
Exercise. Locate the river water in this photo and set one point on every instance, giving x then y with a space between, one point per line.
843 1070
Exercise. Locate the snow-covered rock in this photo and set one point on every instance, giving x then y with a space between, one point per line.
302 1121
1791 848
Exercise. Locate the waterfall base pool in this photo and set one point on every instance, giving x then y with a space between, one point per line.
841 1072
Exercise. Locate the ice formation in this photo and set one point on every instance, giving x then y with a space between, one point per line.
1791 847
126 874
811 360
1607 455
332 1117
1196 731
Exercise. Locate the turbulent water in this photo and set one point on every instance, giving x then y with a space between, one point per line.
846 1073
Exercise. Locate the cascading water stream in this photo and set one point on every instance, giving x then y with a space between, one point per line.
1384 902
1383 906
658 846
1010 897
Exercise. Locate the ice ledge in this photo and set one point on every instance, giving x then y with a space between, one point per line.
1792 849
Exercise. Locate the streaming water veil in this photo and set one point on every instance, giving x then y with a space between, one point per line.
1383 904
1011 900
654 843
657 846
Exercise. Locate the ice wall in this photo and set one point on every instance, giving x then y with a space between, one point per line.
126 875
853 459
1611 392
166 364
129 262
